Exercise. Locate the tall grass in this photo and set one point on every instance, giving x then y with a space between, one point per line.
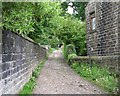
101 76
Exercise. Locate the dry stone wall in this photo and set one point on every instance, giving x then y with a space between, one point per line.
18 57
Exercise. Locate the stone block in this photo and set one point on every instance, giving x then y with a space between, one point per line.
6 57
5 66
5 74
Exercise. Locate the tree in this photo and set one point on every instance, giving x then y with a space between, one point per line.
45 13
32 20
72 31
45 23
78 8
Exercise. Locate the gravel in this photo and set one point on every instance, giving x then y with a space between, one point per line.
58 78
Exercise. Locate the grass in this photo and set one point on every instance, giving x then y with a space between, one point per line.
30 85
100 76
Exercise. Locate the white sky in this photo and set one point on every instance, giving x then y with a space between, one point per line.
70 9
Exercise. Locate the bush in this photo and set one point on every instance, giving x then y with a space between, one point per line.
73 31
70 56
68 49
17 18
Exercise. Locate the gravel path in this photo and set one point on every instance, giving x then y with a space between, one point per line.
58 78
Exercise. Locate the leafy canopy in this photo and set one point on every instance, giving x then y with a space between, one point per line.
45 23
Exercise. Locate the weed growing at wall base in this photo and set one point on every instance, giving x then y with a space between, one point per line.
30 85
100 76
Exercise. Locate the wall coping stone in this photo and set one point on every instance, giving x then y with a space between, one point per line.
26 38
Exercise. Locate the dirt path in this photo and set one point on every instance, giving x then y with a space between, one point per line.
58 78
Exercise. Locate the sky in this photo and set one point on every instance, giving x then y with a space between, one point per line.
70 9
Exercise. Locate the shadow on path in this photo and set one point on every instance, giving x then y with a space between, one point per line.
58 78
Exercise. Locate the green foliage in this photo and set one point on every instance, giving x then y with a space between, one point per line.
45 23
64 52
73 31
45 27
101 76
78 9
28 88
16 18
68 49
71 56
33 20
30 85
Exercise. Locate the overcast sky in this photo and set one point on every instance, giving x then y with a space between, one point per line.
70 9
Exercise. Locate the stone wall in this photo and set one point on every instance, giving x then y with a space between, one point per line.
0 62
110 62
119 29
103 41
19 57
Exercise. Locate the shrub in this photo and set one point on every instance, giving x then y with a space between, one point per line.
70 56
64 52
73 31
68 49
17 18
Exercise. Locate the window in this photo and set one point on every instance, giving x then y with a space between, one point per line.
93 21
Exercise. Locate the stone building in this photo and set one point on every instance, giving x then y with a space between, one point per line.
103 28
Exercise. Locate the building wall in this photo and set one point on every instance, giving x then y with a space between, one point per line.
0 62
119 30
104 40
19 57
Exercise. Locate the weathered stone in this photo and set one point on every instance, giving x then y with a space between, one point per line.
17 57
103 40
